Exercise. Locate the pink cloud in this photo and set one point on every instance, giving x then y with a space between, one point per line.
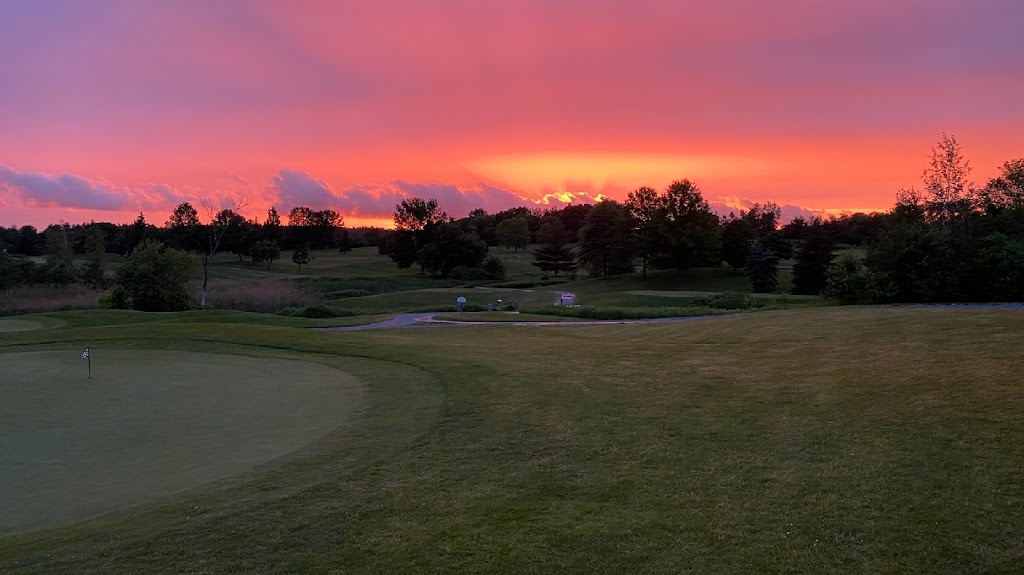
66 190
73 192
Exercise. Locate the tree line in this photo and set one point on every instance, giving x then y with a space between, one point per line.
948 241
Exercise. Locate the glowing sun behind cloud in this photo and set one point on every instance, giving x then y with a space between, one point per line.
562 171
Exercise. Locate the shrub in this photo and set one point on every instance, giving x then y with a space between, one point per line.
156 279
466 273
525 284
849 281
344 293
314 311
494 268
728 300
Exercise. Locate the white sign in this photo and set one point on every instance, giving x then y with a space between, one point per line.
460 299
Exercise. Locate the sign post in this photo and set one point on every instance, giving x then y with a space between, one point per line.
459 302
88 359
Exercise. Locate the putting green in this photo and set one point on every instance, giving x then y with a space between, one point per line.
11 325
147 424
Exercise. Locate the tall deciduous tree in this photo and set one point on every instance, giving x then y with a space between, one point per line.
514 233
606 239
184 231
213 236
451 246
948 189
738 236
415 220
1007 189
650 222
692 227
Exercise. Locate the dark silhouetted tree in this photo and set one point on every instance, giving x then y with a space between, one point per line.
738 235
692 228
272 226
265 251
415 220
301 255
650 224
813 259
606 239
451 246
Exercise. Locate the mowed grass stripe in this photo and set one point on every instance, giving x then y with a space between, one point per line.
854 440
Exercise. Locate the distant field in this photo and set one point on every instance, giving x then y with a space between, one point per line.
816 440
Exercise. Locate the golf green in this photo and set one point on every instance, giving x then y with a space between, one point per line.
12 325
148 424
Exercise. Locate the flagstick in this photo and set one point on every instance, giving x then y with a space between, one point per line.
89 361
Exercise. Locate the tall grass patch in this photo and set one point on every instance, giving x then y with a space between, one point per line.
41 298
261 296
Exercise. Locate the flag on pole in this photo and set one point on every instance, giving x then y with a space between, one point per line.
85 356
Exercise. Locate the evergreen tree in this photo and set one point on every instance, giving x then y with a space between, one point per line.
554 254
763 268
272 226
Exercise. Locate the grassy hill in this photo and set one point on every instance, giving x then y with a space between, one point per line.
819 440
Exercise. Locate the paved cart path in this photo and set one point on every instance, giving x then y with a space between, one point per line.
409 320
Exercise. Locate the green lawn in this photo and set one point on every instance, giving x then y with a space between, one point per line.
819 440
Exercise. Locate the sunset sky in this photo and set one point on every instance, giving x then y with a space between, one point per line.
109 107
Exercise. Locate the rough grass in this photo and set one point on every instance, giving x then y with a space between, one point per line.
40 298
267 296
94 318
824 440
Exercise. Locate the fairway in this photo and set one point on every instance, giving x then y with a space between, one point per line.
147 424
813 440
